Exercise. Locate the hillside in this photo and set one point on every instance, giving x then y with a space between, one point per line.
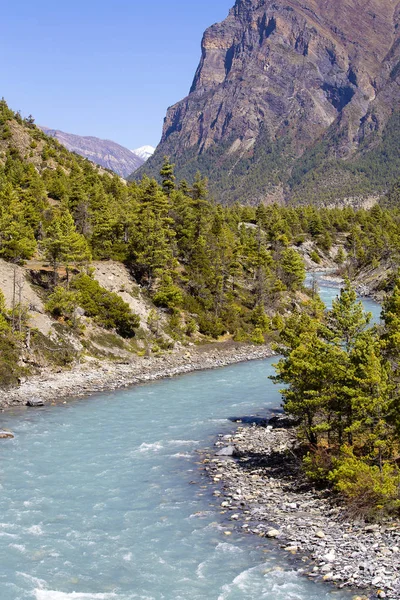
292 101
105 153
94 268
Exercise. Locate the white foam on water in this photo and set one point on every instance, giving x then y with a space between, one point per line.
13 536
55 595
279 585
39 583
182 455
200 569
229 548
155 447
19 547
35 530
183 442
7 525
128 557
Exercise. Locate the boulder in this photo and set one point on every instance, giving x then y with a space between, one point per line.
227 451
273 533
5 434
34 402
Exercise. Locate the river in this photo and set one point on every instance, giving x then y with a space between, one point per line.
103 498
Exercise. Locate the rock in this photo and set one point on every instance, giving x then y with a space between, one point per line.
300 67
273 533
35 402
330 556
320 534
291 548
282 422
6 435
326 568
227 451
381 594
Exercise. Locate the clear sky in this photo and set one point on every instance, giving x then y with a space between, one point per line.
103 68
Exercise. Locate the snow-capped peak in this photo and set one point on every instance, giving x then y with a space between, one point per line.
144 152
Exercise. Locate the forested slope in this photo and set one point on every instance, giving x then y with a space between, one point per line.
202 271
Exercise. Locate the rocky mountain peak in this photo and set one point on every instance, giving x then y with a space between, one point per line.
276 76
105 153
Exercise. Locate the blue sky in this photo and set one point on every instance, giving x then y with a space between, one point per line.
108 69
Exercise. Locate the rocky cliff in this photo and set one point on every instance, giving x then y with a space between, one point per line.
290 93
105 153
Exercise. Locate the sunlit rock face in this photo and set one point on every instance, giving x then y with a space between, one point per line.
275 76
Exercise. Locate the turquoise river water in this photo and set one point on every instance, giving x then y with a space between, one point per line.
97 500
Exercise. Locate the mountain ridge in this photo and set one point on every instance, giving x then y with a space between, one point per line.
275 80
106 153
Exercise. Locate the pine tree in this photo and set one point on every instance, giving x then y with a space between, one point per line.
167 176
63 244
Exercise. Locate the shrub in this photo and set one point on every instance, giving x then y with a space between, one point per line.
260 319
62 303
369 491
257 336
317 465
211 325
9 357
107 308
240 335
315 257
168 295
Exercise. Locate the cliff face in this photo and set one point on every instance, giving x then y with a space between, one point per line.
275 77
105 153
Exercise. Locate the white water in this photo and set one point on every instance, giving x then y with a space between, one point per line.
97 500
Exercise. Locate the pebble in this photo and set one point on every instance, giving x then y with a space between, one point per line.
267 501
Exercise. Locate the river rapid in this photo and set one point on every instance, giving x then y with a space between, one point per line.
103 498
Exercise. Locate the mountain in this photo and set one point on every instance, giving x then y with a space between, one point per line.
105 153
292 100
144 152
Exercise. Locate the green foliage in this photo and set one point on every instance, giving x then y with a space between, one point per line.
168 295
315 257
293 269
257 337
342 385
107 308
63 244
10 370
225 263
63 303
370 492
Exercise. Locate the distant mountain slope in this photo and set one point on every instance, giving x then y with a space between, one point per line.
144 152
292 99
105 153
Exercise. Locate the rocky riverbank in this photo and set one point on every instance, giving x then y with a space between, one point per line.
260 486
90 377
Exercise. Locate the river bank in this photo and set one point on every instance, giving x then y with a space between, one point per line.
261 489
91 376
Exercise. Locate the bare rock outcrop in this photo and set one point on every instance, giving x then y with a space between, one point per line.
274 78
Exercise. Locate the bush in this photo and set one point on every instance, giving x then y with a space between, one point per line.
211 325
240 335
9 357
369 491
168 295
257 336
318 464
315 257
62 303
260 319
107 308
